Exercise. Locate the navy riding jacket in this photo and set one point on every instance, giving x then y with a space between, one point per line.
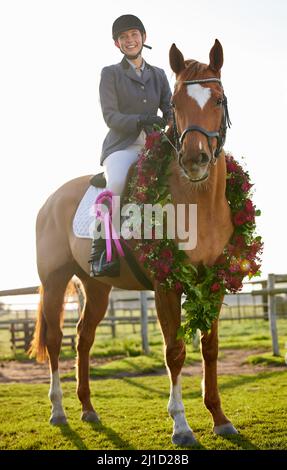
125 97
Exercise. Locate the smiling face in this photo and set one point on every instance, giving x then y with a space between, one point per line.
131 42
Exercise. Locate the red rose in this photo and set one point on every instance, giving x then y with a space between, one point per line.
142 181
253 249
178 287
160 276
249 207
250 218
239 241
215 287
152 139
162 266
246 186
166 253
239 218
234 283
231 165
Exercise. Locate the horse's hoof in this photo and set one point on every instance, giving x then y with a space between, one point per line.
224 429
184 439
57 420
90 417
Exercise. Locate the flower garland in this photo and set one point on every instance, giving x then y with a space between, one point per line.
203 286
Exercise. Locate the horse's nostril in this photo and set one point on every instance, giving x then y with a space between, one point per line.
204 158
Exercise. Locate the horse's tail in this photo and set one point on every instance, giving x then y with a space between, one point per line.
38 347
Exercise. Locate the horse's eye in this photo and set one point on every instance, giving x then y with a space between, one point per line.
219 101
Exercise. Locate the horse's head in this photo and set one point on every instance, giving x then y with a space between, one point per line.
200 112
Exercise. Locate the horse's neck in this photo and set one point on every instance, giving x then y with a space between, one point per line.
214 226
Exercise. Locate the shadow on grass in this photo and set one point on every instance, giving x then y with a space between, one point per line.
146 388
112 435
246 379
74 437
133 370
197 446
71 435
119 443
239 440
235 382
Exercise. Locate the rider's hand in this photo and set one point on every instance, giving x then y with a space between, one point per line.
148 121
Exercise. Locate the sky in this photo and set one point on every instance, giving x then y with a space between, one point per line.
51 126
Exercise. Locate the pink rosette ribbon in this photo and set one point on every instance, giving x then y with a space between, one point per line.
106 199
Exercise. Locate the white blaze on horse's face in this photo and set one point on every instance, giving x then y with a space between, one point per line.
199 93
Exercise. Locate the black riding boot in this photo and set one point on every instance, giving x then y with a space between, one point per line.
99 264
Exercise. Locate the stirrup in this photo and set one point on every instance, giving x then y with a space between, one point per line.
100 267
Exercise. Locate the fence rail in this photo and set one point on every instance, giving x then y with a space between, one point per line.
143 303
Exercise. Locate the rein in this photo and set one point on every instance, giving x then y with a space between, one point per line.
220 135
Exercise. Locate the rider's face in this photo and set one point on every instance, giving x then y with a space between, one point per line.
130 42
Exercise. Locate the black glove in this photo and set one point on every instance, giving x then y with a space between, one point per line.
148 121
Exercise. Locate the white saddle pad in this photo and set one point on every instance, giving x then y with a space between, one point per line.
84 220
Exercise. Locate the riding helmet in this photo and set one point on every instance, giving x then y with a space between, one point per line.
126 22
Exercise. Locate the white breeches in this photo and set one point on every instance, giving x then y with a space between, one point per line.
117 164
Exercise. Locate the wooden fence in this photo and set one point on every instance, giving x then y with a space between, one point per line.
143 303
21 329
270 291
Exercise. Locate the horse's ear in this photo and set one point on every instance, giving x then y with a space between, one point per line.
176 60
216 57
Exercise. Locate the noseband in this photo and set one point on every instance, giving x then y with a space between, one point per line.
220 135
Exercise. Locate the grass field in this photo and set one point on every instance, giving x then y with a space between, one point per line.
133 409
133 414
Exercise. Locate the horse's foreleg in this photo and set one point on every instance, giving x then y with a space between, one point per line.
97 297
169 313
209 345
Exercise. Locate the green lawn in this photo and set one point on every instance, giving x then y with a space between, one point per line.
133 409
134 416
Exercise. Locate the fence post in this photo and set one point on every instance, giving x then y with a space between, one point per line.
12 329
144 322
272 315
112 317
265 301
27 337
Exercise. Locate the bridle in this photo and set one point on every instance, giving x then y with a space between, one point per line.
220 135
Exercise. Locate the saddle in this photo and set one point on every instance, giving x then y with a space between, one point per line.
99 181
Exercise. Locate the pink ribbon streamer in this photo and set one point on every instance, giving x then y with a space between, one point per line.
106 217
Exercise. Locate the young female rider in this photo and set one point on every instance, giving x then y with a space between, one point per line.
131 93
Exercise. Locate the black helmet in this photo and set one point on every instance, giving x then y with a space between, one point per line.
126 22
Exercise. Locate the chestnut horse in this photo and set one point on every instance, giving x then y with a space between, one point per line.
198 176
